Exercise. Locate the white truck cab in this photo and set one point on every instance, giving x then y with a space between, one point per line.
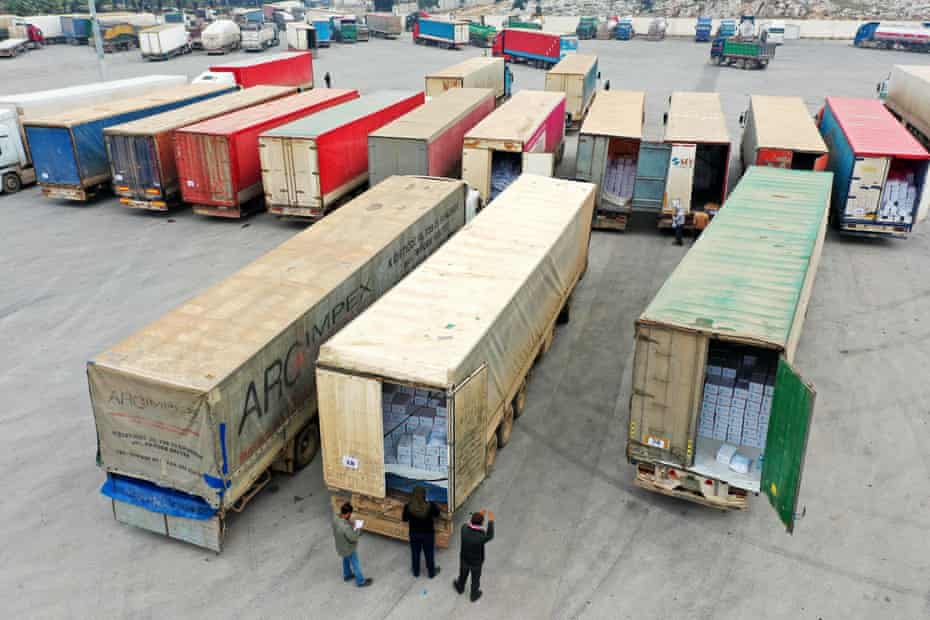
215 77
15 167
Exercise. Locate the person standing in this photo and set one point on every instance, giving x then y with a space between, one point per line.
678 222
420 514
471 557
327 80
346 533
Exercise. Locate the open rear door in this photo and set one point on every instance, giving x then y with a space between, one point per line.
468 418
651 174
680 177
352 432
542 164
786 442
476 170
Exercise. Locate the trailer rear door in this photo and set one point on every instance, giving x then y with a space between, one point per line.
786 442
542 164
353 442
865 188
468 418
680 176
476 170
651 175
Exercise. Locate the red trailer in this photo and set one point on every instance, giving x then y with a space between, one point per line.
535 47
218 163
310 164
285 69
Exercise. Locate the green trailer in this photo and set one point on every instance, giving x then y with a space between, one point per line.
516 22
753 54
480 35
718 410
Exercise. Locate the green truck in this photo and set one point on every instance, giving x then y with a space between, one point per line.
516 22
587 28
751 54
480 35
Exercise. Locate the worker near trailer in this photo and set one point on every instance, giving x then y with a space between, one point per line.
471 556
328 80
347 532
678 222
421 514
701 220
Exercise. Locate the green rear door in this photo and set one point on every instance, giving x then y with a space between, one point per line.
786 442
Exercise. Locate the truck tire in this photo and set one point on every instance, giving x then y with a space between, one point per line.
505 430
306 445
11 183
519 401
565 313
491 454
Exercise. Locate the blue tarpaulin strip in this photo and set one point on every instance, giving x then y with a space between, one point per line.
155 498
434 493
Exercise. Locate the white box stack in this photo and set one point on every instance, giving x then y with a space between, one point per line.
737 399
415 436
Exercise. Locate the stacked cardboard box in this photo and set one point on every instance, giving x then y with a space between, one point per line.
415 426
737 400
898 200
619 178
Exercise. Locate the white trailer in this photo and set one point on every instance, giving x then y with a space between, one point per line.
220 37
164 41
15 167
258 37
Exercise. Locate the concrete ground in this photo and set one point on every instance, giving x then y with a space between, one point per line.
575 539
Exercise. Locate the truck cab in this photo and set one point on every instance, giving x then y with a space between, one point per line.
15 168
568 43
702 29
624 30
726 29
774 32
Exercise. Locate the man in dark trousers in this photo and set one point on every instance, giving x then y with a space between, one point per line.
474 537
327 79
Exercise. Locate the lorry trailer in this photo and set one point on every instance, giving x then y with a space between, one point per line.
284 69
907 97
428 141
76 29
890 36
478 72
11 48
879 169
16 168
301 37
187 434
423 387
525 135
323 31
218 159
220 37
309 165
540 49
259 37
164 41
68 149
447 34
385 25
718 410
781 133
740 53
576 76
142 153
608 153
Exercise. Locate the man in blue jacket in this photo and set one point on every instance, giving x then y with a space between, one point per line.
471 557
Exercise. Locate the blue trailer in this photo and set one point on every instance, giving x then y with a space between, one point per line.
75 29
323 32
445 33
624 30
702 29
68 149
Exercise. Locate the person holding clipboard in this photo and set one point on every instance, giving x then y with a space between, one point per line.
346 532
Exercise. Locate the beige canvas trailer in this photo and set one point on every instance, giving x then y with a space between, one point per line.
423 388
195 410
909 100
780 132
608 154
479 72
717 409
576 75
525 135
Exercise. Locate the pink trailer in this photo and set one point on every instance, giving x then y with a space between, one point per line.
526 134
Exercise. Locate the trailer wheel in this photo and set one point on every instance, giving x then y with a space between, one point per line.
565 313
306 445
505 430
519 401
491 454
11 183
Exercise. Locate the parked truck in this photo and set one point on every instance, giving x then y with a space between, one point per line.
587 28
535 47
68 148
781 133
311 164
478 72
428 140
879 169
117 37
907 97
576 76
753 54
284 69
50 25
909 38
323 31
301 37
718 410
10 48
525 135
142 152
218 160
703 29
422 389
76 28
248 409
344 28
16 168
447 34
726 28
385 25
624 30
608 154
259 37
481 35
164 42
221 37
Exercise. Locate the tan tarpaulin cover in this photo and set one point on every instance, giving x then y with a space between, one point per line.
785 123
188 115
466 67
487 296
909 95
518 119
432 118
575 64
616 113
239 357
696 118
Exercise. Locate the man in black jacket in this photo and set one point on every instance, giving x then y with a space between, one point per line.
474 537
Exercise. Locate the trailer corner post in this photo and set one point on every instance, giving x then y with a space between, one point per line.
98 42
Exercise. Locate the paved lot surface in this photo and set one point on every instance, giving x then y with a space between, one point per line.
575 539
